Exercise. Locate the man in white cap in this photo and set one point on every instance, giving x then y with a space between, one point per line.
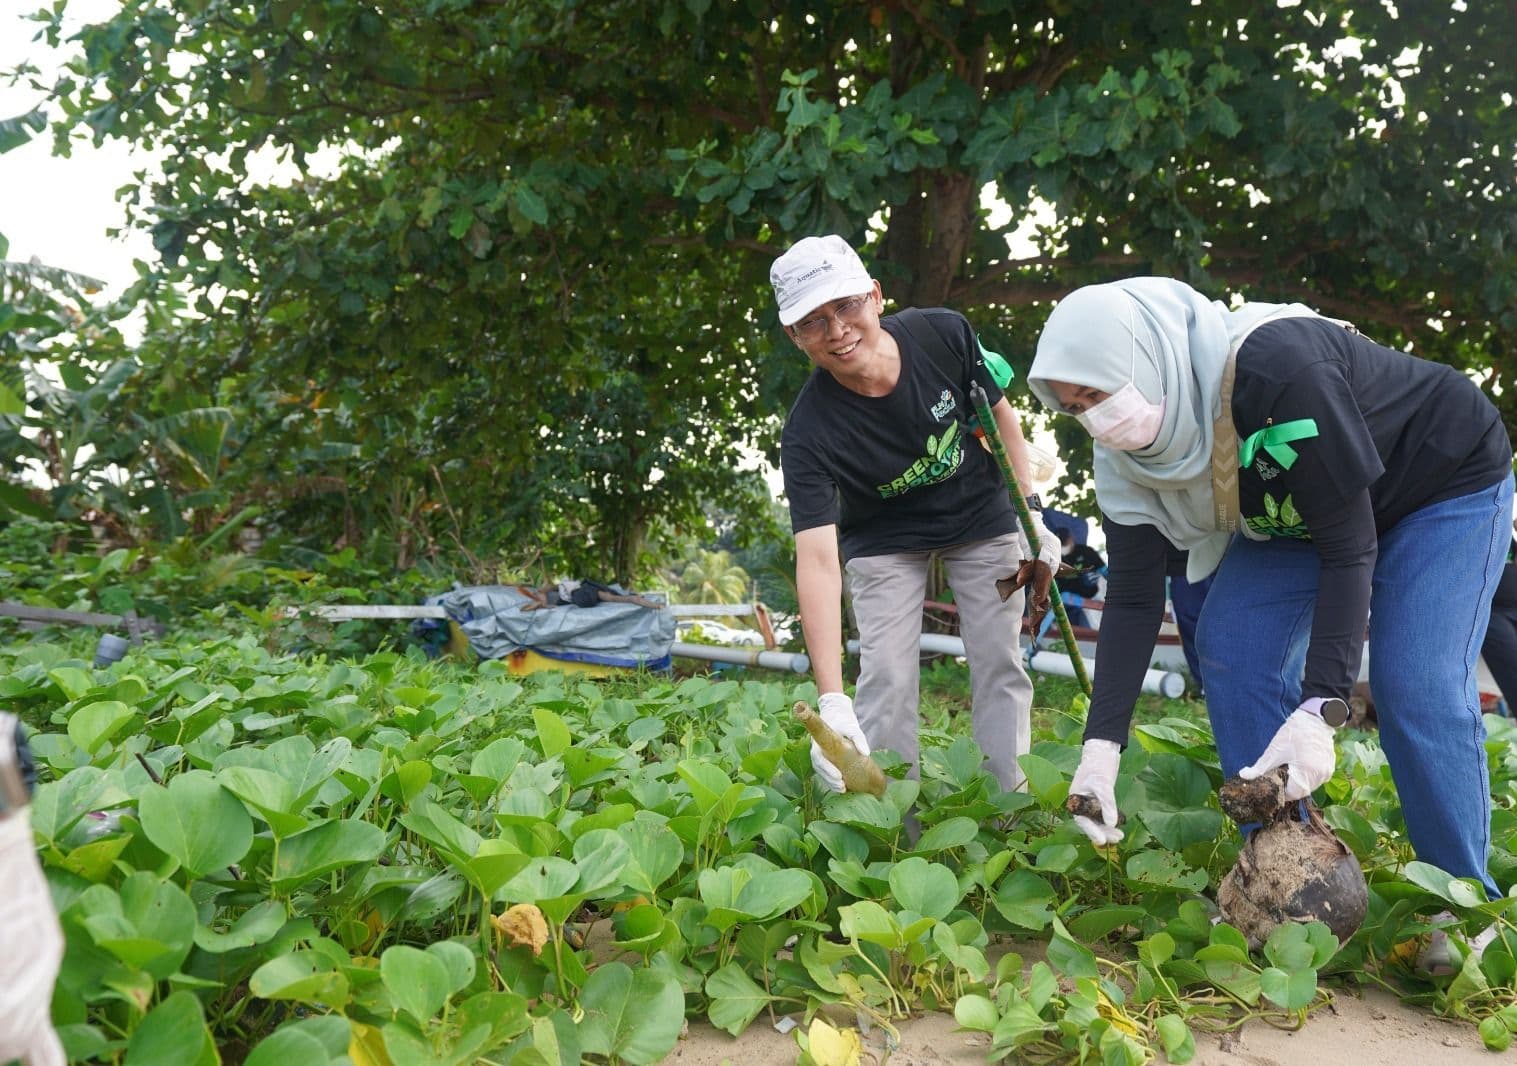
879 458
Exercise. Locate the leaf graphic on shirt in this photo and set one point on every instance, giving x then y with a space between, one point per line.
1271 508
937 448
1288 513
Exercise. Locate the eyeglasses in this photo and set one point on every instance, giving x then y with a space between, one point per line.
850 312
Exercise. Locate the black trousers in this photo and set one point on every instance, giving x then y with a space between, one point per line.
1500 648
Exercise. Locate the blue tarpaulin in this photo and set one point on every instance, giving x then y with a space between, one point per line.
608 634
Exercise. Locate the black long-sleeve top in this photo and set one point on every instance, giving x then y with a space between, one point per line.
1340 438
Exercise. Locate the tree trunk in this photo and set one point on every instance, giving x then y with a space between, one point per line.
928 240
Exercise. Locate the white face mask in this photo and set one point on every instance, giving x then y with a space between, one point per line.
1125 421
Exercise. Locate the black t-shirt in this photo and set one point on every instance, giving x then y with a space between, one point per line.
1344 438
901 472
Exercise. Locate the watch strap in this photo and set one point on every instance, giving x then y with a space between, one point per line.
1330 709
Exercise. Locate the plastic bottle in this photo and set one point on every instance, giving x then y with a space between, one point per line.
860 772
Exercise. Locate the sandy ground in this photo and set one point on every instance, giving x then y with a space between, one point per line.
1368 1025
1374 1027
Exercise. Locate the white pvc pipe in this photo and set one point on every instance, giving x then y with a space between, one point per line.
743 656
1159 682
1164 683
349 612
709 610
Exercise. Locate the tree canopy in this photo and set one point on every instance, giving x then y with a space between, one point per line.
523 249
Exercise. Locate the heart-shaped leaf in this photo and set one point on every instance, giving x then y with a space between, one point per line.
197 822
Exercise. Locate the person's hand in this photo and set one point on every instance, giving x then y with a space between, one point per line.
1304 743
1050 552
836 709
1096 777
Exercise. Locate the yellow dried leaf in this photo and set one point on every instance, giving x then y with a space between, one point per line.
522 926
1116 1015
366 1047
1407 951
833 1047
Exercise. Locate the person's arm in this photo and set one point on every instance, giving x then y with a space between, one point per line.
1016 451
1325 470
819 594
1130 618
1346 542
1016 444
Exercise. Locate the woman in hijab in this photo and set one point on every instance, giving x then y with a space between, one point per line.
1355 475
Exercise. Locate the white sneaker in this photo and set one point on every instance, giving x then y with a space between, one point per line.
1437 958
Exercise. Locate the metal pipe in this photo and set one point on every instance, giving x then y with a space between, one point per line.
1164 683
773 660
709 610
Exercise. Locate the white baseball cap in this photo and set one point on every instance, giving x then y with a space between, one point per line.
815 271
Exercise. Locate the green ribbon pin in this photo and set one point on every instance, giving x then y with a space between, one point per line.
1276 440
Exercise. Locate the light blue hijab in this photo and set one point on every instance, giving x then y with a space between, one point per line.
1173 342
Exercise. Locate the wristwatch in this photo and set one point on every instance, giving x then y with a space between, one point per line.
1330 709
1033 502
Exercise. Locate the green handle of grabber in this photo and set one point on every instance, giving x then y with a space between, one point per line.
998 449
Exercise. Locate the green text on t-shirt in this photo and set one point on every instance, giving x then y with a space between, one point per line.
944 456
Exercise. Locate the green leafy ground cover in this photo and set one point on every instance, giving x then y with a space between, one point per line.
272 859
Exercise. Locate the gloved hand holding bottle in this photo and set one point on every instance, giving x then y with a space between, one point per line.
836 710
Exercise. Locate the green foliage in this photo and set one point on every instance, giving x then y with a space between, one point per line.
507 293
188 587
310 855
710 577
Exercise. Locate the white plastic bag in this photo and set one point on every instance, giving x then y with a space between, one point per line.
31 949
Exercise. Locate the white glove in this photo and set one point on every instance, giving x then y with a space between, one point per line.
836 709
1050 551
31 949
1096 776
1305 744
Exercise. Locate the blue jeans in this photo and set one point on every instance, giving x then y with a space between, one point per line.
1187 600
1430 602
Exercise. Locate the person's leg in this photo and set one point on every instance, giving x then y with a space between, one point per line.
888 591
1001 690
1187 600
1251 641
1437 570
628 597
1500 648
1074 610
1500 651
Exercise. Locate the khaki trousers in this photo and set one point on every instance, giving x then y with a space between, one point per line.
887 592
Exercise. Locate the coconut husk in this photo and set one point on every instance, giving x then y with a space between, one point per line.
1083 806
1290 869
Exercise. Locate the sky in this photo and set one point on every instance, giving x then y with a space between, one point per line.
59 210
